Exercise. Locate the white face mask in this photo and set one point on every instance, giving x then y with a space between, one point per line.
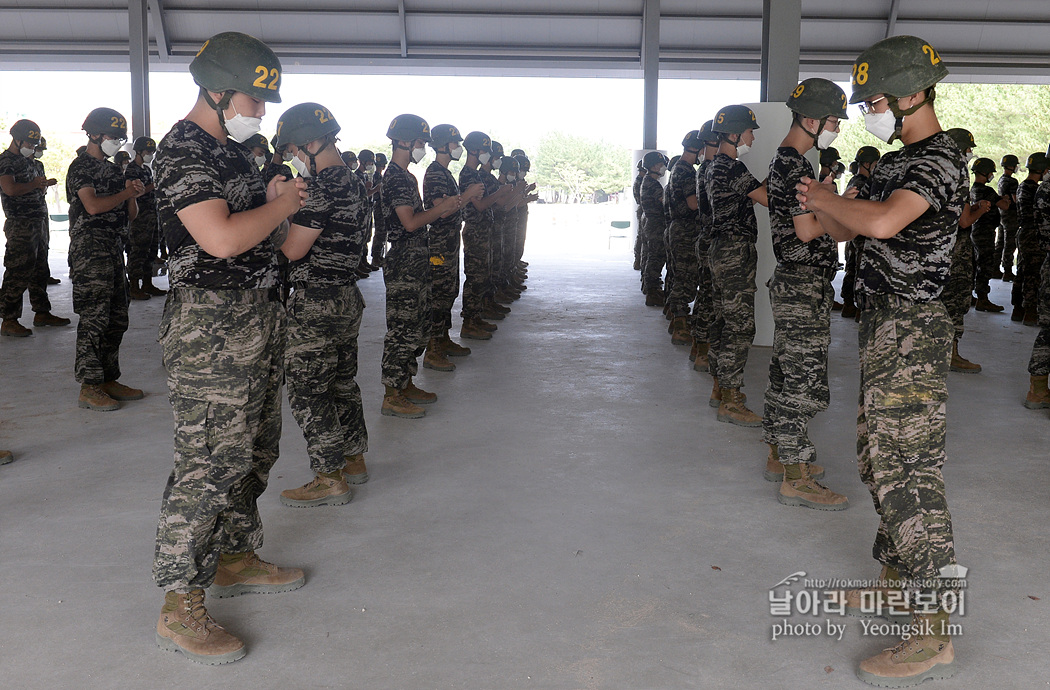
147 158
968 156
240 128
355 165
825 138
418 154
370 169
38 154
882 125
260 160
109 147
456 153
286 156
742 150
27 152
484 158
300 166
511 178
497 162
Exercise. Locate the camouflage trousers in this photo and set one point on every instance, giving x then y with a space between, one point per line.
365 240
905 349
1039 365
223 353
638 237
798 370
379 238
510 249
1006 244
734 265
522 231
655 256
320 364
849 278
25 267
703 307
100 298
686 269
1025 292
444 276
476 264
958 293
408 315
142 247
669 261
985 261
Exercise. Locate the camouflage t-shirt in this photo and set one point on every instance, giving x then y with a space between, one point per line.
338 208
192 166
785 170
107 179
1008 190
858 181
471 215
681 188
1026 203
1042 215
400 188
732 210
638 187
914 263
142 173
438 182
989 220
653 204
272 170
40 195
23 170
703 202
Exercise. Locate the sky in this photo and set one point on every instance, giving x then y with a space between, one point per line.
516 110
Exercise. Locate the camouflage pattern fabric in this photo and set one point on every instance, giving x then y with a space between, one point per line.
193 166
408 311
786 169
1025 291
703 307
321 368
366 180
511 222
1039 364
734 265
476 249
23 170
272 170
438 183
982 233
142 231
107 179
801 297
683 234
914 264
1006 239
379 238
223 353
905 350
669 258
337 207
654 226
495 239
637 189
25 267
728 184
958 293
853 249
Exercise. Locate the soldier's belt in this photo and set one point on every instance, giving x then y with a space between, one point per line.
220 297
865 302
825 272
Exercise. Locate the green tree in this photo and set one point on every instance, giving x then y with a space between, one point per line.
576 167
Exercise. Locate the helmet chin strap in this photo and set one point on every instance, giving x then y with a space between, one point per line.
901 114
219 107
313 156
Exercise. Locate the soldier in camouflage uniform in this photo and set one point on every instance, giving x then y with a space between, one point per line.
1025 293
365 171
867 157
22 188
801 295
521 267
1039 365
491 175
379 238
510 174
276 165
143 230
41 147
982 232
684 232
439 183
703 308
406 271
222 336
102 205
477 230
733 192
639 245
1006 239
909 211
654 224
324 310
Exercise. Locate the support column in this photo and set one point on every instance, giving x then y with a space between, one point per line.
138 51
650 70
781 38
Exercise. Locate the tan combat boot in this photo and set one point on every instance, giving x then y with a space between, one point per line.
6 457
434 358
1038 395
185 626
472 331
246 573
680 333
808 493
118 391
925 655
397 405
451 348
324 490
12 328
700 360
885 598
417 395
774 471
92 397
354 470
960 364
46 318
733 410
984 305
716 394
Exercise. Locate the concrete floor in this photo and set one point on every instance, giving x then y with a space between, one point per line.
568 515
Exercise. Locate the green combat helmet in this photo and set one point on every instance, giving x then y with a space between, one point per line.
443 135
144 144
818 99
408 128
708 134
476 142
26 130
829 157
693 141
257 141
984 166
1009 161
962 138
867 154
734 119
232 61
653 160
1037 162
304 123
106 121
